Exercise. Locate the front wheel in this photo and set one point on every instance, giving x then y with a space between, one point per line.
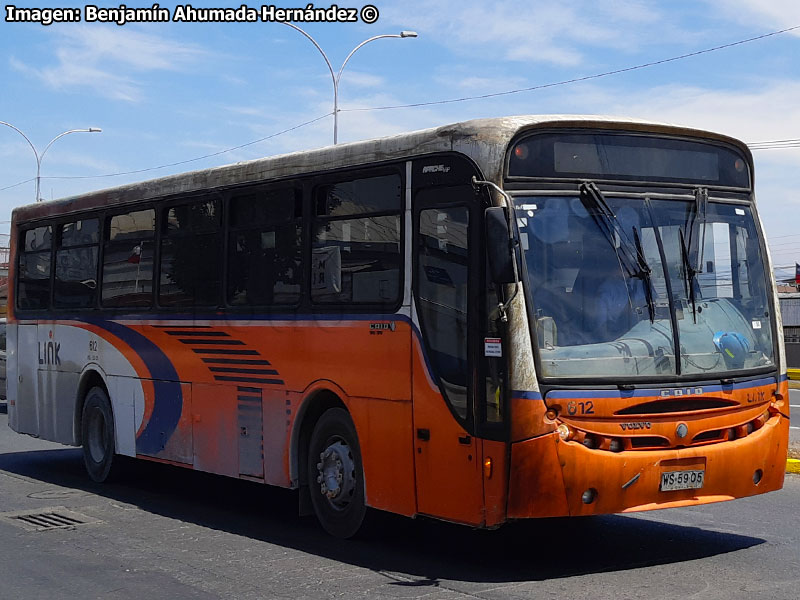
97 428
336 474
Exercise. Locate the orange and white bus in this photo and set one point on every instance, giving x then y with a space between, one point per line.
488 321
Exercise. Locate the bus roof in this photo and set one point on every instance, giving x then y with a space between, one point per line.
484 140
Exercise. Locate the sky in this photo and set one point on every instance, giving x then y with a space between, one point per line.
169 94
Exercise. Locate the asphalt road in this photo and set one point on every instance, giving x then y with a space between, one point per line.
164 532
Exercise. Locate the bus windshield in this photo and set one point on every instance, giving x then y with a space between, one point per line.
643 287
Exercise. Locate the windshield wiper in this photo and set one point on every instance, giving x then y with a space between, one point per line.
630 254
646 278
692 269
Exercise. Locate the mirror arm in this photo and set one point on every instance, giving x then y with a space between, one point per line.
513 243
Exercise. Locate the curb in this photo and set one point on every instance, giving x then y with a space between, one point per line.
793 465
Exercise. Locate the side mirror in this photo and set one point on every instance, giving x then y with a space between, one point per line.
499 246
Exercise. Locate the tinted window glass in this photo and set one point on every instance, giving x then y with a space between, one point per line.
198 217
38 239
190 255
265 266
34 280
442 297
627 157
356 261
265 253
80 233
266 206
128 259
76 264
373 194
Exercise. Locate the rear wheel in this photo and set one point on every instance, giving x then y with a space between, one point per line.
97 428
336 474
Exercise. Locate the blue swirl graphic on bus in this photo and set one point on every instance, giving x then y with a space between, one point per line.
168 401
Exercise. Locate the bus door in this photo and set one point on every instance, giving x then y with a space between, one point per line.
448 456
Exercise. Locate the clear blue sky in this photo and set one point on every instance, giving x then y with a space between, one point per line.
170 92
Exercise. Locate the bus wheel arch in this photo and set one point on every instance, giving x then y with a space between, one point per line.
89 379
324 402
319 397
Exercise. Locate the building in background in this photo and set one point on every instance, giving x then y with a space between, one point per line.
790 312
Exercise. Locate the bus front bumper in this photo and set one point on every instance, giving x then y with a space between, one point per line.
550 477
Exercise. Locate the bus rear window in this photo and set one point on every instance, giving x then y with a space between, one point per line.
614 156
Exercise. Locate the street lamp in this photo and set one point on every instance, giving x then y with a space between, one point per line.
336 77
38 156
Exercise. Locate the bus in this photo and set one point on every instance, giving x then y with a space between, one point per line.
500 319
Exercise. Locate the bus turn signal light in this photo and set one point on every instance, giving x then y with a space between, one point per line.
487 467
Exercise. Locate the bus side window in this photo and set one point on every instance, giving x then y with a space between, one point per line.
128 259
34 269
190 255
355 257
76 264
265 251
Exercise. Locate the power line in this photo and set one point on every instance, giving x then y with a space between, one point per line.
759 145
578 79
183 162
775 142
8 187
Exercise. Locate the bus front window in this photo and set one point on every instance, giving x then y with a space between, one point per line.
610 285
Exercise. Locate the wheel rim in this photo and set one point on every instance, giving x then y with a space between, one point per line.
336 474
96 434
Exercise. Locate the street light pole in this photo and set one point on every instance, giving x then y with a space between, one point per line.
38 156
337 77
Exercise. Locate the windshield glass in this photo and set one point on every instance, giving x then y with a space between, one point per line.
615 287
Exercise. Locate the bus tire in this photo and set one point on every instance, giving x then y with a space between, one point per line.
336 474
97 429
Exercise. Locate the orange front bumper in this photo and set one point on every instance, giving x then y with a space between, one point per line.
548 476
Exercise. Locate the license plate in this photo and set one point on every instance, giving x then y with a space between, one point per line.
681 480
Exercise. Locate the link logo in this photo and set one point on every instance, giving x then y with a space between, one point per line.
48 352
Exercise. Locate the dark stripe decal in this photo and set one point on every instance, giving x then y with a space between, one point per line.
224 351
251 371
214 342
248 379
235 361
181 332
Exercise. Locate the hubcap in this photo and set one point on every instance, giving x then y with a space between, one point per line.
336 474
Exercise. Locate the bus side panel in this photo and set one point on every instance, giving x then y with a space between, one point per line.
26 403
123 393
280 408
216 448
12 375
536 483
387 451
57 405
176 444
